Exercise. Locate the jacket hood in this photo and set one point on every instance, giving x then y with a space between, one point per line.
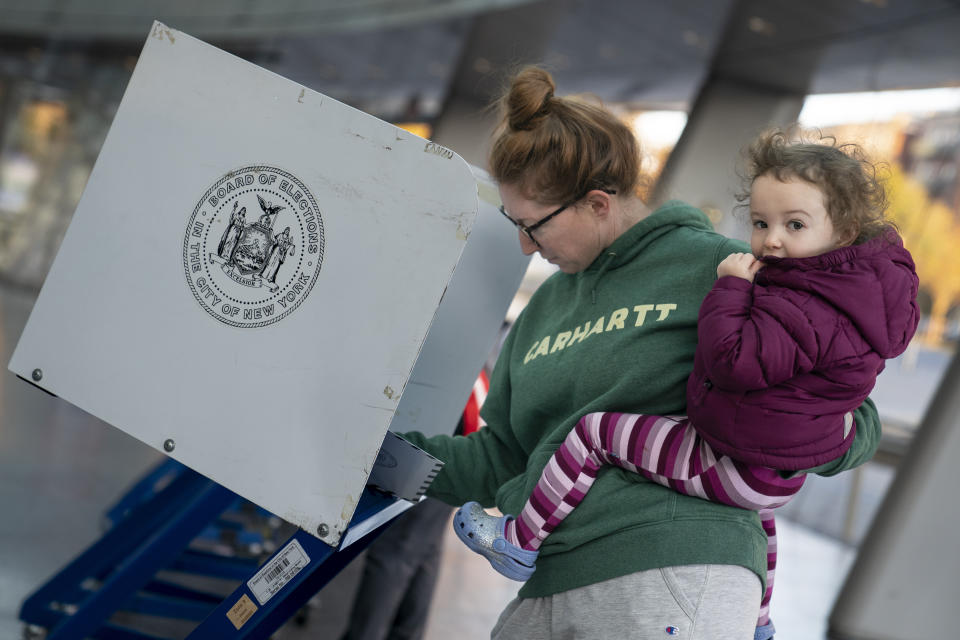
664 219
868 283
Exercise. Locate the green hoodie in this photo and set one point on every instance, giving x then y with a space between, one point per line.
618 336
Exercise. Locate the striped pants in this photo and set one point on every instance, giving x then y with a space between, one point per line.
666 450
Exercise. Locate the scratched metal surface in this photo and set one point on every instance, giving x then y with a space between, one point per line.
271 358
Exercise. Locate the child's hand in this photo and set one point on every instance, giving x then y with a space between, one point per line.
741 265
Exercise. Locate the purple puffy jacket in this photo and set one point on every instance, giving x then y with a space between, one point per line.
781 361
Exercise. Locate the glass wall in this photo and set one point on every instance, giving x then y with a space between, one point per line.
56 106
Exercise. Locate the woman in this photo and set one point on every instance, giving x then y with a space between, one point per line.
615 330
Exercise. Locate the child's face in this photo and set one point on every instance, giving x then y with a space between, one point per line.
789 219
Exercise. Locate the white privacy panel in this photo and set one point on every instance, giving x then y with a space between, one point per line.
468 322
249 277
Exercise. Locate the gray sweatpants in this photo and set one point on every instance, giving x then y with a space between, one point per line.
695 602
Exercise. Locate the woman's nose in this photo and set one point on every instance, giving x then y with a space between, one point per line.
527 245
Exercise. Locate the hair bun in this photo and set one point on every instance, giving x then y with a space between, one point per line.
528 100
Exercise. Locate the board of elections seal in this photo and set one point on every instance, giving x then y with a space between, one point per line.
253 246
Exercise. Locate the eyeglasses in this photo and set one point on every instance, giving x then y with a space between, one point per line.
528 231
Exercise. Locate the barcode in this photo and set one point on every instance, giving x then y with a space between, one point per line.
277 570
281 569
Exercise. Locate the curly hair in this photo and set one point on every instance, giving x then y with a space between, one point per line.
854 194
557 148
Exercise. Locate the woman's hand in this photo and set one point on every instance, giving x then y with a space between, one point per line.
740 265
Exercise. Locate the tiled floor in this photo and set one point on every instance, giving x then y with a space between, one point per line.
59 469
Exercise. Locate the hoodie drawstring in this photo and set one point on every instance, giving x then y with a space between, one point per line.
603 269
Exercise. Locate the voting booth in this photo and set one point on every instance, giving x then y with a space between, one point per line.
260 282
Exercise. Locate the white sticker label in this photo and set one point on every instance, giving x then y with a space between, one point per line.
278 572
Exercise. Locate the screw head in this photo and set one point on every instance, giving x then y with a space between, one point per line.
323 531
169 445
37 375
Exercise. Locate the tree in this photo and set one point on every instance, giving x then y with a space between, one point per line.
931 232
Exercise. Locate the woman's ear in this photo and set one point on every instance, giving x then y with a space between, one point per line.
599 202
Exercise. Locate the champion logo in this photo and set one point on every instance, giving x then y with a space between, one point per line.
672 631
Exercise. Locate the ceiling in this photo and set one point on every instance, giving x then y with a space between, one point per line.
400 58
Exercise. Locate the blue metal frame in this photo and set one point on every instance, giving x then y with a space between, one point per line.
325 563
230 524
144 489
126 558
153 527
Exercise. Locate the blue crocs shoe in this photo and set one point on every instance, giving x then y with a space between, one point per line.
765 632
483 533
